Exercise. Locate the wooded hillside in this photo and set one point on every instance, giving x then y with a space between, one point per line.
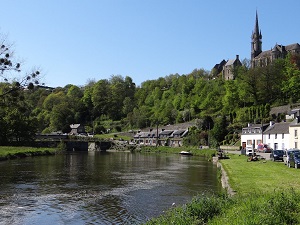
218 107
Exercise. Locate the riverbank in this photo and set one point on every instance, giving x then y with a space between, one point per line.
11 152
208 153
266 192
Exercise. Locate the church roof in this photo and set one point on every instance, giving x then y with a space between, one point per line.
278 48
292 47
230 62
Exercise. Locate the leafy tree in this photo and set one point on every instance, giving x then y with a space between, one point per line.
220 129
100 97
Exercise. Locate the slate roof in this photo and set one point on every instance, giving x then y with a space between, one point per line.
74 126
230 62
264 54
145 135
280 109
292 47
178 132
278 128
278 48
166 132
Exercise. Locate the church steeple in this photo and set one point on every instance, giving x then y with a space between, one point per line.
256 43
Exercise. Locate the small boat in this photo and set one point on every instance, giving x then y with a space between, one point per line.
185 153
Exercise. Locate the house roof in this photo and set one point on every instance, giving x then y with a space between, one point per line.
295 123
280 109
74 126
178 132
278 128
167 132
145 135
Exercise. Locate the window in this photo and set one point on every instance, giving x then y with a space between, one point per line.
296 144
296 133
282 137
249 142
275 136
269 136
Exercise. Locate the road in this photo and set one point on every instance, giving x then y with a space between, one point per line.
264 155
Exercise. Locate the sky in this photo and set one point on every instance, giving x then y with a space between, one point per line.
75 41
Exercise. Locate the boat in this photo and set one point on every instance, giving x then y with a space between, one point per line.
185 153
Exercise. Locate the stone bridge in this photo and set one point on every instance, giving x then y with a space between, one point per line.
88 145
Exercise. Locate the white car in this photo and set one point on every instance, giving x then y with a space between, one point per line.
249 151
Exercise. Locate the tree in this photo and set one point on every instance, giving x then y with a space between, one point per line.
17 124
100 98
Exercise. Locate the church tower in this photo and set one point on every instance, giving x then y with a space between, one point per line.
256 43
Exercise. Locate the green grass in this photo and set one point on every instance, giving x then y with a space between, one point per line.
7 152
266 193
260 176
208 153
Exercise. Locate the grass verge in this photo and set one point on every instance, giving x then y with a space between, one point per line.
267 193
208 153
11 152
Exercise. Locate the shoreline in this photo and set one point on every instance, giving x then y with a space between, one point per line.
224 178
27 152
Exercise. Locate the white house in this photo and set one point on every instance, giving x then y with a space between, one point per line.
252 135
294 130
277 135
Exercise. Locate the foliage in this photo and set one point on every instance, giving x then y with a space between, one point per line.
215 104
7 152
262 197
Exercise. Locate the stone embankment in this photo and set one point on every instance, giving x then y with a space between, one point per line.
224 178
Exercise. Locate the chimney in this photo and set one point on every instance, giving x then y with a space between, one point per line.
237 57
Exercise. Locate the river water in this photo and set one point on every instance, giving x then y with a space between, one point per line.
100 188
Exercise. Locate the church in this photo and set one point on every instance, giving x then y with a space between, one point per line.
261 58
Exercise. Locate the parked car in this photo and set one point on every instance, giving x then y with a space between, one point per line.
288 153
249 151
277 155
294 160
264 148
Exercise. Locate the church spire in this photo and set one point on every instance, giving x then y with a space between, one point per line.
256 43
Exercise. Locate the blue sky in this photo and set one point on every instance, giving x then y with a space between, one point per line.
73 41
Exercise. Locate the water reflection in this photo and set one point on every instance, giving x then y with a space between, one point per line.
111 188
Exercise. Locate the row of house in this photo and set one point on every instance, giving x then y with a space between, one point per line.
173 138
282 135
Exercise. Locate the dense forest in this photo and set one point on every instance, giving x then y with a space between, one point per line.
218 107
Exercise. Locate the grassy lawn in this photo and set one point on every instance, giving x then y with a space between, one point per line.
259 176
267 193
11 150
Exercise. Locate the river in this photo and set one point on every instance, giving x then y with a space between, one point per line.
100 188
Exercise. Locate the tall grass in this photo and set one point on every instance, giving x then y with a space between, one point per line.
266 193
10 152
280 207
199 211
